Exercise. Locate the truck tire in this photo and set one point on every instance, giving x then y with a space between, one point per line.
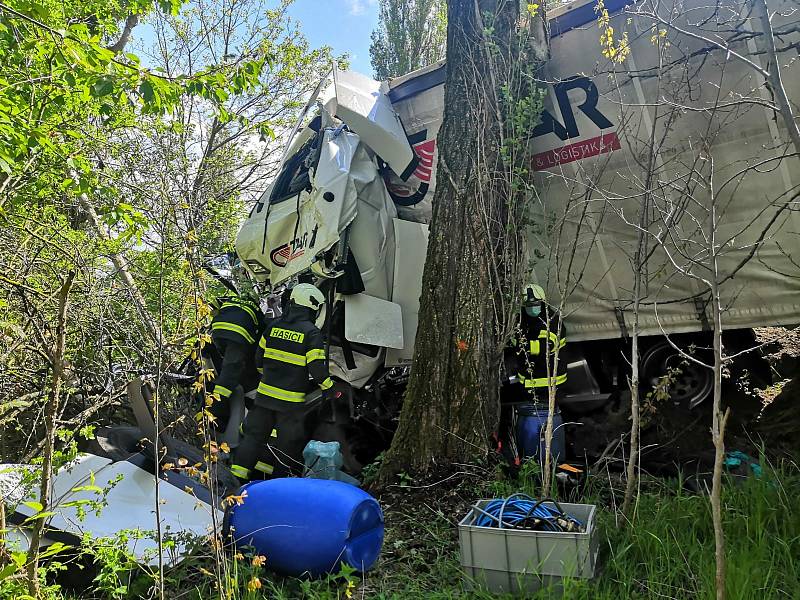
692 383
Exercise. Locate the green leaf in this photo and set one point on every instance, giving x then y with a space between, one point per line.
170 7
36 506
53 549
8 571
103 87
147 91
37 516
87 488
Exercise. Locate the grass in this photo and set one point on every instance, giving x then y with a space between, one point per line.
668 552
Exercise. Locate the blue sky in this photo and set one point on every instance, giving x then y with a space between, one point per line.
345 25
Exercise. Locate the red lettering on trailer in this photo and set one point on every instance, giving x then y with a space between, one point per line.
577 151
424 150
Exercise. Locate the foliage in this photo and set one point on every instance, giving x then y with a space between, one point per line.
410 34
63 88
668 553
616 50
165 151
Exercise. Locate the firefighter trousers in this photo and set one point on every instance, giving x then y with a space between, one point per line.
259 454
231 374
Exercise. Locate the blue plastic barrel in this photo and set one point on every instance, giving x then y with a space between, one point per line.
531 427
309 525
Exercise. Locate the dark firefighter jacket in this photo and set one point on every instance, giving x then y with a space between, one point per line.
291 355
533 345
237 322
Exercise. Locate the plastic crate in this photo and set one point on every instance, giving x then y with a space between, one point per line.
519 561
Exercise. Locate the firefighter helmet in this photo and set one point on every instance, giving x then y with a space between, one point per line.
307 295
532 294
532 299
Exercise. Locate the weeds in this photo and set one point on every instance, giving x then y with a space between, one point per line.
667 553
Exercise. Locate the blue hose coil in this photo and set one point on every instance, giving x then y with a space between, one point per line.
520 511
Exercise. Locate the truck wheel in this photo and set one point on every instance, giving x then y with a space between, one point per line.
691 383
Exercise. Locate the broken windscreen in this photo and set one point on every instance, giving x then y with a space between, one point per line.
295 175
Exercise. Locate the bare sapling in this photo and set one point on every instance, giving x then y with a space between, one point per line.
55 353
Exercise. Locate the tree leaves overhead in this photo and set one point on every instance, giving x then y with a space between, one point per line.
60 75
122 169
410 34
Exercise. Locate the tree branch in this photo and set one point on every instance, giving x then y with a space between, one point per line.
118 46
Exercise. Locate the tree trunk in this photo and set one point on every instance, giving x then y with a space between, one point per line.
50 416
4 557
718 419
552 370
718 435
151 328
451 406
633 458
775 79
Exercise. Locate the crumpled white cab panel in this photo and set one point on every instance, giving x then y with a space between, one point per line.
364 105
301 228
130 505
374 321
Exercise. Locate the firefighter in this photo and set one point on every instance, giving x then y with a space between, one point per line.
292 358
541 331
235 328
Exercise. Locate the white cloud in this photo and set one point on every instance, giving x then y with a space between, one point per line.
359 7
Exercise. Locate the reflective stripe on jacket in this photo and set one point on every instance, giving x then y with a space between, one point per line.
291 354
539 335
237 320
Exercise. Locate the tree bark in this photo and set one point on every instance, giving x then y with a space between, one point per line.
718 419
130 22
51 414
451 405
552 358
633 458
776 81
718 435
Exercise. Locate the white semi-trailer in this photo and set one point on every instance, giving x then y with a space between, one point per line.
351 207
353 199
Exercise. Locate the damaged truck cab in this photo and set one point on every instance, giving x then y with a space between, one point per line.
349 211
329 217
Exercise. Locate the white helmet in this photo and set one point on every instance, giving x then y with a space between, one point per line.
307 295
532 294
532 299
